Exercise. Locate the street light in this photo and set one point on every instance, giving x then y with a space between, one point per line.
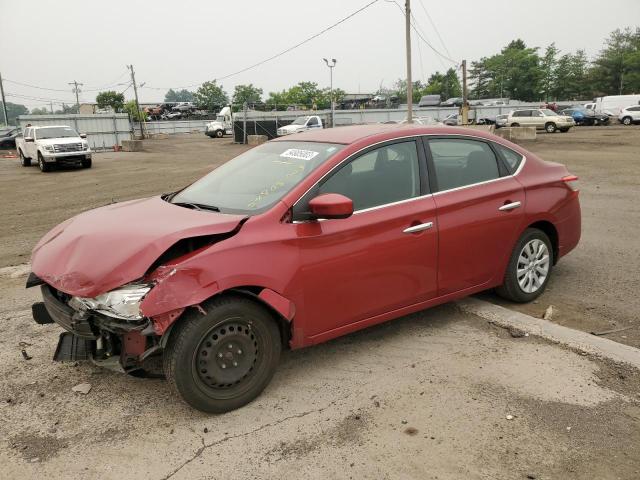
331 65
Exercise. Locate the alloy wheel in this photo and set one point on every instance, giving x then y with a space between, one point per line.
533 266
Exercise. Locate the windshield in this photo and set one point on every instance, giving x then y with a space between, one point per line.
220 118
55 132
548 113
257 179
300 121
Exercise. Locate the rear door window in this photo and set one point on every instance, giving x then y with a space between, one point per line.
511 159
461 162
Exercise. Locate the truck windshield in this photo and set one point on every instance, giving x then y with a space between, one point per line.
300 121
55 132
220 118
254 181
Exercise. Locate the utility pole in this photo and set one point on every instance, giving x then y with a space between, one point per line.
135 91
465 96
51 105
76 90
407 14
4 103
331 66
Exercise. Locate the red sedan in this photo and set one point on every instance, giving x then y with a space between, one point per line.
297 241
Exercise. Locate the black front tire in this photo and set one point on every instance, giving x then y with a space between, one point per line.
86 163
24 161
223 359
44 166
550 127
219 134
626 121
510 288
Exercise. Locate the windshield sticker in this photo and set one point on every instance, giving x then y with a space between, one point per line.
299 154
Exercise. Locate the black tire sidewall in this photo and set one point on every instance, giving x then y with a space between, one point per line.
186 338
626 121
219 134
550 127
511 288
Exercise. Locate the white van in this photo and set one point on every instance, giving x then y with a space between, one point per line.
613 104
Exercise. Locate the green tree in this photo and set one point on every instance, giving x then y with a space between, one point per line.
179 96
39 111
211 96
67 109
247 93
616 70
131 109
13 111
548 65
110 99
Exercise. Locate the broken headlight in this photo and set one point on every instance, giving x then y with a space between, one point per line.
123 302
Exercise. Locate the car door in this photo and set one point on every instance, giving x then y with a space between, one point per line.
30 147
537 119
384 256
480 211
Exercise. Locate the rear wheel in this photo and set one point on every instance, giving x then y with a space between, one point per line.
222 360
515 124
529 267
24 161
550 127
626 121
219 133
44 167
564 130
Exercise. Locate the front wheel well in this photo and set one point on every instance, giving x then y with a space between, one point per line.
550 230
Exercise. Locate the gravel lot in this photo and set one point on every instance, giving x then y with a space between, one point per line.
439 394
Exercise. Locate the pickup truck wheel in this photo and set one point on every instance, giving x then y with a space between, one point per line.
219 133
42 164
223 359
550 127
515 124
86 163
626 121
529 267
25 162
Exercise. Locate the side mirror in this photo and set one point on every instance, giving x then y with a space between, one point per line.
28 139
83 135
331 205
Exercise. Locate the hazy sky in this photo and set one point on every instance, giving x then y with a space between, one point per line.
178 43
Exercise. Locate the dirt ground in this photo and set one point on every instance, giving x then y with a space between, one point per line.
435 395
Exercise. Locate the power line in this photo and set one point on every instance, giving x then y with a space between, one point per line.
273 57
435 28
35 86
41 99
435 50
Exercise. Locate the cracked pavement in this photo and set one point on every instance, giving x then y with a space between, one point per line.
426 396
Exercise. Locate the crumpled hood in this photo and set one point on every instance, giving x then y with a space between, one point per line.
102 249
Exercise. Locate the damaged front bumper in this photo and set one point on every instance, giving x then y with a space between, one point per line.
94 336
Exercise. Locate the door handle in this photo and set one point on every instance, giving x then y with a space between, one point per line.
418 228
509 206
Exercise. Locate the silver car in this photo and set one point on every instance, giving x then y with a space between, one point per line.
630 115
541 118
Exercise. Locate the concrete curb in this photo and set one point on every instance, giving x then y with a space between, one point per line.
575 339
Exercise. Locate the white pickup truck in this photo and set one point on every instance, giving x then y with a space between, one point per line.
53 145
301 124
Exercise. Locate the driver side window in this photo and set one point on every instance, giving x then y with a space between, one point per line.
385 175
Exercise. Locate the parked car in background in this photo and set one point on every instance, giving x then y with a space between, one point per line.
8 137
451 120
51 146
541 118
452 102
501 121
429 101
629 115
300 124
221 126
184 107
583 116
155 112
296 242
171 116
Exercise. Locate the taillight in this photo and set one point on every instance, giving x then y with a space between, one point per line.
571 181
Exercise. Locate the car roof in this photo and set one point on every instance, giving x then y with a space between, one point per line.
353 133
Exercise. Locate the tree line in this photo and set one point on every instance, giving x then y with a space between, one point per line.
517 72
